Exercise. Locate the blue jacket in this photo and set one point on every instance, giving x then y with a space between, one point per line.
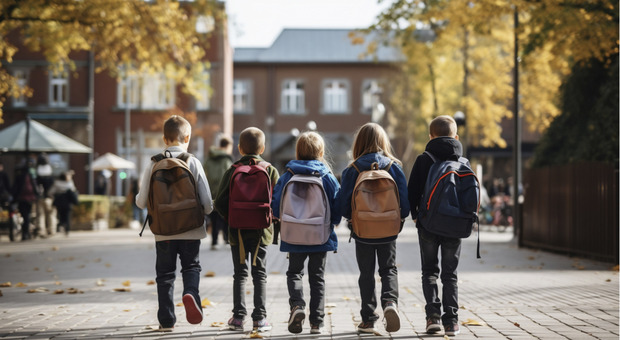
331 186
349 176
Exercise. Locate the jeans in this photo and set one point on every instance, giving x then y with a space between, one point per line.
385 256
450 253
165 267
218 224
259 279
316 272
64 219
25 208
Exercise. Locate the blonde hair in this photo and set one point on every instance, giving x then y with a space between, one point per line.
251 141
443 126
176 128
372 138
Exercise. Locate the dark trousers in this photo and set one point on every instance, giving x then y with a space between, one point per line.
385 256
25 208
430 245
259 279
218 224
316 272
165 267
64 219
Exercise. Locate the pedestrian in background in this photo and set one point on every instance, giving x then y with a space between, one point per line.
25 193
310 154
444 144
45 180
218 161
65 197
372 145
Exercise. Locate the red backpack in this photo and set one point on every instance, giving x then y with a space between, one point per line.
249 204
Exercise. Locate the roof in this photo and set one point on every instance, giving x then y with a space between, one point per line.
316 46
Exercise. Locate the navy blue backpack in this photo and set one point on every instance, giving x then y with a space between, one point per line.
451 199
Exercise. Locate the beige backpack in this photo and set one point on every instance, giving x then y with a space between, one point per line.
375 206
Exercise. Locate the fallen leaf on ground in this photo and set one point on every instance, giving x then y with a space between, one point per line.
38 290
59 291
97 260
472 322
446 337
608 280
54 248
49 270
127 283
346 298
531 258
255 335
180 304
217 324
126 310
579 267
122 289
6 284
248 292
205 302
36 269
74 291
21 284
100 283
108 265
274 273
517 324
210 274
330 305
58 283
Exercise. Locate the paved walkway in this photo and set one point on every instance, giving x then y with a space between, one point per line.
510 293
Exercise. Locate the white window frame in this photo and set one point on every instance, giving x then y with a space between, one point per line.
204 102
59 89
242 96
336 98
371 88
293 97
133 82
21 76
158 92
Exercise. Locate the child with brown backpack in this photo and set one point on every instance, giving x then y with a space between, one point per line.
373 198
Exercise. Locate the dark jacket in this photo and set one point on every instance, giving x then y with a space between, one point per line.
442 148
221 203
349 176
215 166
331 186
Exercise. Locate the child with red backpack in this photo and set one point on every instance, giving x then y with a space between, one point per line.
375 226
178 226
244 201
304 199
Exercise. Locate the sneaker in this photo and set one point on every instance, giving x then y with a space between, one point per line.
316 328
432 325
193 312
392 319
451 329
262 325
164 329
366 327
235 324
296 320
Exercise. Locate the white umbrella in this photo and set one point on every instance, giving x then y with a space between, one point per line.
110 161
39 138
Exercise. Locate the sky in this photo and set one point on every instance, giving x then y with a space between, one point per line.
257 23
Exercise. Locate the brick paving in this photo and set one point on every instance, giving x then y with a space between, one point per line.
510 293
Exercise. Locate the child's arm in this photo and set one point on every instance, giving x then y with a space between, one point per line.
277 193
349 176
145 184
401 182
203 187
417 181
332 190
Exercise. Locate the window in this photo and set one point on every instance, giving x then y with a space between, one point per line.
242 95
157 92
204 102
59 89
293 97
335 96
22 81
370 94
128 85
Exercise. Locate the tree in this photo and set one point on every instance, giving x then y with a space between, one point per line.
467 64
151 36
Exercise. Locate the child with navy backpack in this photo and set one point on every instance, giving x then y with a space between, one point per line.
372 148
304 199
444 145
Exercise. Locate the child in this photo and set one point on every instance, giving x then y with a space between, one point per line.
372 145
177 133
251 146
310 150
443 145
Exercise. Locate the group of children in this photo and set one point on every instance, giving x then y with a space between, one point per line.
371 147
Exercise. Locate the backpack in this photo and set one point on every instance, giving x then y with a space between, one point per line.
304 211
28 191
174 206
249 203
375 205
451 198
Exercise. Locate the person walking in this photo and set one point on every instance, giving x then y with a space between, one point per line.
218 161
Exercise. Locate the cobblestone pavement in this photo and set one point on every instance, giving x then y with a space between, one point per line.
510 293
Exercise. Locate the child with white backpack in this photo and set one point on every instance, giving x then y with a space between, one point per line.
304 200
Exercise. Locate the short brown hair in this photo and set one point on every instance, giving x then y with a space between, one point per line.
443 126
251 141
225 141
176 128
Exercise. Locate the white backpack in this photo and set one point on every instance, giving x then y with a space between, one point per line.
304 211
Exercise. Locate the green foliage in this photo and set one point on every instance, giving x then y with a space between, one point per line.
587 129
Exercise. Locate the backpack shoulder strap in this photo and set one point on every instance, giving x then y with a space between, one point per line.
291 171
184 156
356 168
158 157
387 167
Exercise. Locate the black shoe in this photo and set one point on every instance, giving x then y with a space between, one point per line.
433 325
296 320
451 329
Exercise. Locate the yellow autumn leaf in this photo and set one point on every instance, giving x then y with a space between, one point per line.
180 304
126 310
122 289
6 284
346 298
38 290
472 322
150 282
58 283
127 283
54 248
59 291
217 324
255 335
21 284
74 291
205 302
210 274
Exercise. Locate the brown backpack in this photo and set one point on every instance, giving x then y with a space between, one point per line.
375 205
173 203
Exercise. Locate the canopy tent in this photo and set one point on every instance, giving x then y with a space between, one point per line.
32 136
110 161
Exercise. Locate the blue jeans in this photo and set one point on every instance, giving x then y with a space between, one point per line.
316 273
165 267
384 255
259 279
430 245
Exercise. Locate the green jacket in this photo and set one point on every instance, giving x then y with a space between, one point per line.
221 204
215 166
